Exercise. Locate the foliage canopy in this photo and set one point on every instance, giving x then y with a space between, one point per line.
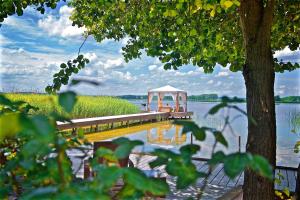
201 32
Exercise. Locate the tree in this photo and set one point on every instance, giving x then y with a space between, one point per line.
243 33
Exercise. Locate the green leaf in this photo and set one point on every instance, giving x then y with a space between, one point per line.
212 12
107 154
80 57
191 126
42 192
262 166
235 163
164 153
277 181
77 81
9 125
186 173
216 108
159 161
43 125
286 191
297 147
220 138
193 32
5 101
19 11
139 180
170 13
63 65
125 146
189 150
129 192
226 4
67 100
217 158
108 176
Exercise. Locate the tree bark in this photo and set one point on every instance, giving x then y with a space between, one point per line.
256 21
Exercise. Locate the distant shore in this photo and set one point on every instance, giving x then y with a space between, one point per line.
206 98
214 98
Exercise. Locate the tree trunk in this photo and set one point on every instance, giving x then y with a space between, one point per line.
256 21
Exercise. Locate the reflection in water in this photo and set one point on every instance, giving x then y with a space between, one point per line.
166 135
159 135
161 128
294 121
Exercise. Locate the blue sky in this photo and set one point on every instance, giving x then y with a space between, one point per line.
33 46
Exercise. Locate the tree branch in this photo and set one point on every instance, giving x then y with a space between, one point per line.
86 37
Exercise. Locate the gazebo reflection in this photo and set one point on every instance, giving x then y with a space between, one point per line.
161 135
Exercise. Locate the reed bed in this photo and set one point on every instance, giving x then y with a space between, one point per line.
86 106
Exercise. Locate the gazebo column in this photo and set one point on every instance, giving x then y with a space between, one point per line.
148 102
177 102
159 103
185 109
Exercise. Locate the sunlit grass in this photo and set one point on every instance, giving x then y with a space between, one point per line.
86 106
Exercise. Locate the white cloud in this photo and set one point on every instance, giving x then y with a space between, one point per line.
91 56
280 92
104 62
26 70
110 64
287 55
23 25
222 73
62 25
127 76
152 67
179 73
219 83
113 63
4 40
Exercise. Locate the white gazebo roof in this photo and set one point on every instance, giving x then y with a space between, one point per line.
166 88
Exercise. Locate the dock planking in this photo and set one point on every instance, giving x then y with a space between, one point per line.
141 117
218 177
217 185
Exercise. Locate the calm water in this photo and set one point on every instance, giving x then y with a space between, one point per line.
169 136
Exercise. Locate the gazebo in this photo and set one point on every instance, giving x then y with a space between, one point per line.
176 94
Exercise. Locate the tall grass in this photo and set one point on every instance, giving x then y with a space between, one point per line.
86 106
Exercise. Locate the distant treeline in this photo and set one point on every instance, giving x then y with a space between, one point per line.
202 97
212 98
288 99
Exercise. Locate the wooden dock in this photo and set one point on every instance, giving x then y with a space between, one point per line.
140 117
218 182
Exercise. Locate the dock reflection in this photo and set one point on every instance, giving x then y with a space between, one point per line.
164 135
160 133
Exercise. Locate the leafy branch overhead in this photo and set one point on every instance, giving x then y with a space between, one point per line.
67 69
10 7
200 32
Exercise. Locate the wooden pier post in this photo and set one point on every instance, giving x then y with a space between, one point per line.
297 190
73 131
239 143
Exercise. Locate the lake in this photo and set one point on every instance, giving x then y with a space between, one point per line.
167 135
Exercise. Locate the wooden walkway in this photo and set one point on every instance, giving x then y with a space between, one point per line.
141 117
218 182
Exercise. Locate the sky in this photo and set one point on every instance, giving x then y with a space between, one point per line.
34 45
